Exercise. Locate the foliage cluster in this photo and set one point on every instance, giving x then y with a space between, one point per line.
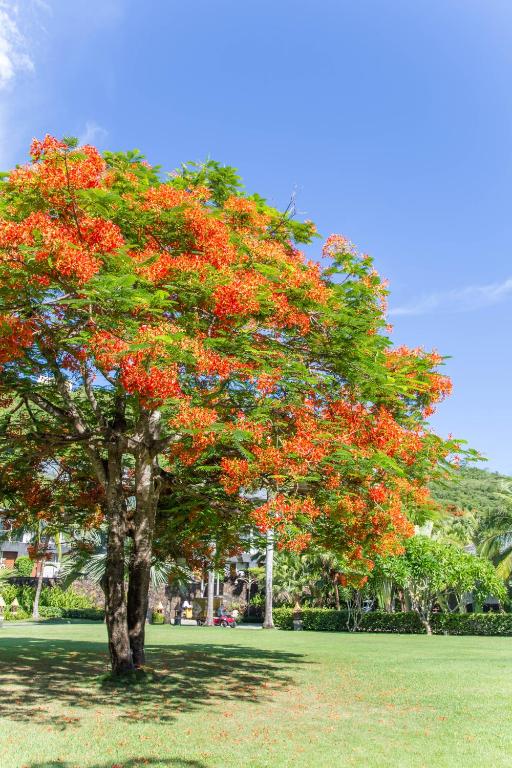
53 598
430 573
24 565
20 615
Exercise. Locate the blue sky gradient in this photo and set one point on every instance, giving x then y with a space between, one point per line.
391 120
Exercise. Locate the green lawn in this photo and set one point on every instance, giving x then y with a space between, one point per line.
236 698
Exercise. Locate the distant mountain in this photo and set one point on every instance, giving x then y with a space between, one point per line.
472 490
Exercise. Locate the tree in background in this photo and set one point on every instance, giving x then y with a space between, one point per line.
32 491
161 331
430 571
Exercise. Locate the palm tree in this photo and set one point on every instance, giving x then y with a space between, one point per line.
87 558
326 571
495 539
292 580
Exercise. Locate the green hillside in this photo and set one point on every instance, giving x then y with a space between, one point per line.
473 490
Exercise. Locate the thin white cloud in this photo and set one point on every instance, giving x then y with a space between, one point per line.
457 300
14 54
92 133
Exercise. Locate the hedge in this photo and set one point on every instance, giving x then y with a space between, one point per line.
283 618
407 623
49 612
92 614
472 623
328 620
313 619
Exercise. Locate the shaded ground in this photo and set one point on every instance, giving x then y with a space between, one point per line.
254 699
132 763
43 673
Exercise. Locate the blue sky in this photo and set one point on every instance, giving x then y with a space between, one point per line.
390 119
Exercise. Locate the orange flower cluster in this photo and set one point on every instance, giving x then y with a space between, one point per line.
243 213
195 422
208 244
283 509
55 168
140 371
239 295
62 248
154 385
15 336
368 509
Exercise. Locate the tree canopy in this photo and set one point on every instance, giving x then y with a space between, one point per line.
173 364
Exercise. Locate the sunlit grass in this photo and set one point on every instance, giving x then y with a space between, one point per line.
214 697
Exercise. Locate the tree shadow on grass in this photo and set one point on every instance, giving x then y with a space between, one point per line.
134 762
55 682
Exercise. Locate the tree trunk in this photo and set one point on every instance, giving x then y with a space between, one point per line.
268 622
40 575
209 597
138 595
142 528
337 593
426 624
115 605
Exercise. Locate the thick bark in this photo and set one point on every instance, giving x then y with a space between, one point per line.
115 605
268 622
138 595
147 486
140 559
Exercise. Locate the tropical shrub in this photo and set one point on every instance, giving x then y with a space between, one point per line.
313 619
56 597
51 597
20 615
324 620
157 618
429 572
24 565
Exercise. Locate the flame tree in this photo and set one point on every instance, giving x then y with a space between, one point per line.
167 337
